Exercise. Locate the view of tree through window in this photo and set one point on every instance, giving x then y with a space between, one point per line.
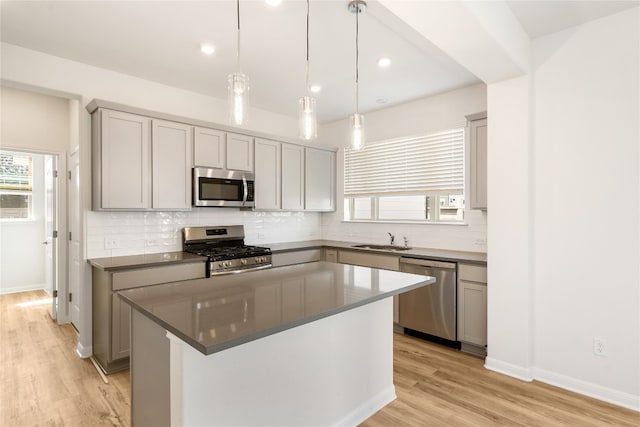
16 185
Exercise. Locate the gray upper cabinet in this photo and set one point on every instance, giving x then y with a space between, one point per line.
121 147
171 165
478 163
268 169
209 148
135 169
239 152
319 182
292 177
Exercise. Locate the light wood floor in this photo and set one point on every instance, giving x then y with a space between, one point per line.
43 382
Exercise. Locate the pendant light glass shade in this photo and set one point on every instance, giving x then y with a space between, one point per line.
357 131
308 122
357 119
238 91
307 117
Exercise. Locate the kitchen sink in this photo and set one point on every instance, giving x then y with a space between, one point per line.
383 247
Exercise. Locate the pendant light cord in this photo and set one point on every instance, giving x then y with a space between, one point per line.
307 70
357 56
238 35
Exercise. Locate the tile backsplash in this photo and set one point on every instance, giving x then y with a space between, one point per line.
130 233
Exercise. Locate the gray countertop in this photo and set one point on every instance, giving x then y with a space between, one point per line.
226 311
439 254
167 258
144 261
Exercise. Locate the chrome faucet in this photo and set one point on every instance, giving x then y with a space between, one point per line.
392 238
406 241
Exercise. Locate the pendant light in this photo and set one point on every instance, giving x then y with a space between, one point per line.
238 88
357 119
307 104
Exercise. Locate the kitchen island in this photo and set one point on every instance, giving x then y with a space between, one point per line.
308 344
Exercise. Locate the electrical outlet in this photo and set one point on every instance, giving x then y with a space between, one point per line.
599 347
110 243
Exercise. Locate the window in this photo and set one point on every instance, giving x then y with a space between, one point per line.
16 185
417 179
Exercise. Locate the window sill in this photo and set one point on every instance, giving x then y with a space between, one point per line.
363 221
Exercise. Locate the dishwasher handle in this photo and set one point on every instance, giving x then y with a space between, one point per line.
443 265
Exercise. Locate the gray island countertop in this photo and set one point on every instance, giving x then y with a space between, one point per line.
226 311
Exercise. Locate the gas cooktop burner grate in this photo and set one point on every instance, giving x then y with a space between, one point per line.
225 249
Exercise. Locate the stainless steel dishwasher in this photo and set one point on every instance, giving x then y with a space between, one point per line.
431 309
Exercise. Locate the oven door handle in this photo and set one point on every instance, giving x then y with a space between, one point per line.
245 190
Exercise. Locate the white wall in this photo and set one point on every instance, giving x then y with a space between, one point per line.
509 228
427 115
586 102
31 122
564 222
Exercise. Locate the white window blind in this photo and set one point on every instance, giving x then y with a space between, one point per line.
430 163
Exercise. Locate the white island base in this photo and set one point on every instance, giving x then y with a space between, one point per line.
335 371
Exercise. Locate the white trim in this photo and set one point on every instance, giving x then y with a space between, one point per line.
524 374
16 289
626 400
83 352
364 411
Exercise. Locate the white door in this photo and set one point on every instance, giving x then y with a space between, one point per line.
50 221
75 257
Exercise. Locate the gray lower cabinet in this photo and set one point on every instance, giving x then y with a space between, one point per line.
111 317
472 308
280 259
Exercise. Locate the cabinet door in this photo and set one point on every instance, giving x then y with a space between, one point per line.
472 312
319 182
120 327
209 148
124 161
267 174
171 165
292 177
478 164
366 259
239 152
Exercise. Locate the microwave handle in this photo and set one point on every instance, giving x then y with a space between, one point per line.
245 193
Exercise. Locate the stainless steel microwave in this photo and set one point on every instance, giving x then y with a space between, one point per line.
223 188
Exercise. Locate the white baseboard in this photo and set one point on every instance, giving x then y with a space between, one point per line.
16 289
626 400
367 409
84 352
524 374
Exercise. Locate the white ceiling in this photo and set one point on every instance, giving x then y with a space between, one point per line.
159 41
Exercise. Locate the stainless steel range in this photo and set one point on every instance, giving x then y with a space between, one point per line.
224 247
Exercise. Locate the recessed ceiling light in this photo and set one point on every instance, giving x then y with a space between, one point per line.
315 88
273 3
381 100
207 49
384 62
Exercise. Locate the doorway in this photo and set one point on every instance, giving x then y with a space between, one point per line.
32 254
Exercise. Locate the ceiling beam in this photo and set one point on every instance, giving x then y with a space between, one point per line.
484 37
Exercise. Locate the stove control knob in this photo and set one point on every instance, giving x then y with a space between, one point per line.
227 264
243 261
220 264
